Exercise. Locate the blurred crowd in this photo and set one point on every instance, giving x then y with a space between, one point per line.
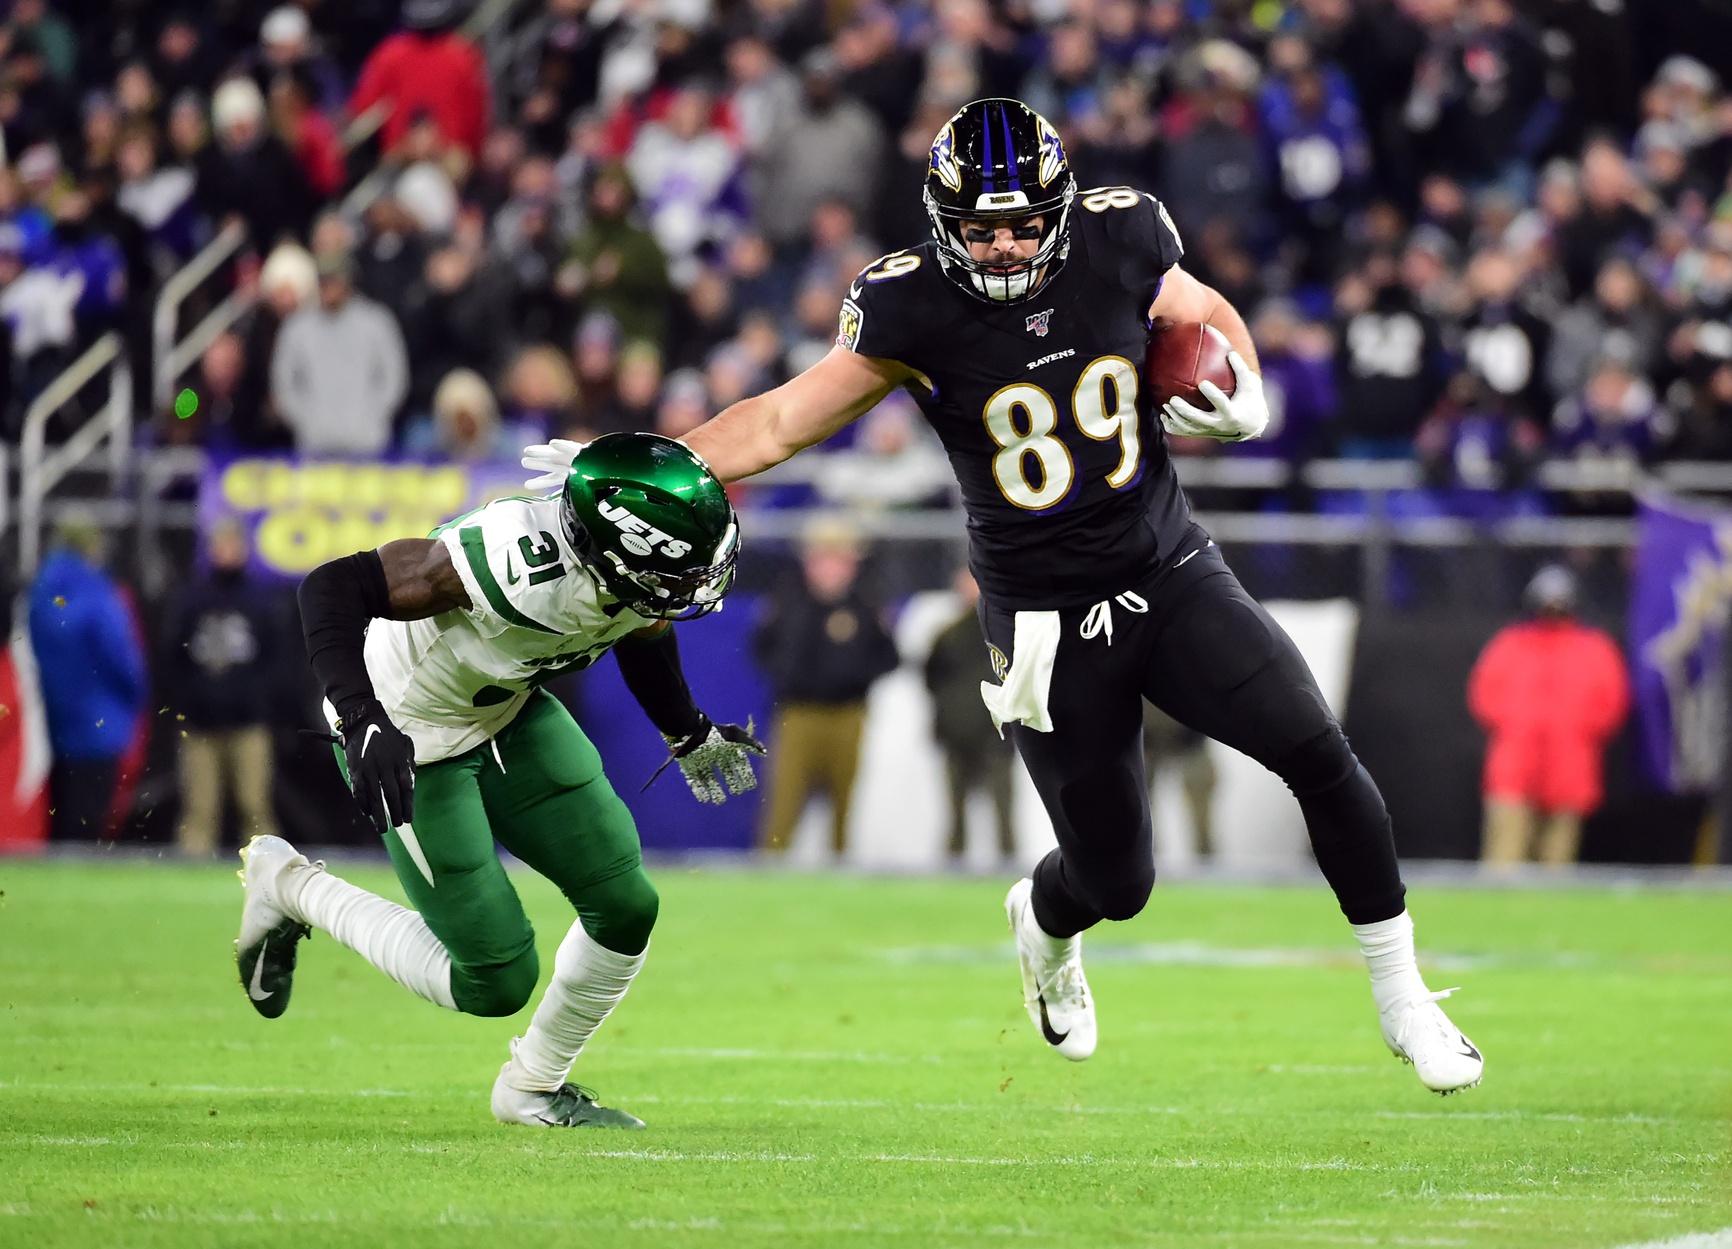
1479 232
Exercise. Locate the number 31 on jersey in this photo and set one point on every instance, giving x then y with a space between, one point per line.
1023 421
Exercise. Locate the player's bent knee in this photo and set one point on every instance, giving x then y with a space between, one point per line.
497 990
620 913
1318 765
1125 898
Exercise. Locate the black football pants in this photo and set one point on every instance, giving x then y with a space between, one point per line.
1205 652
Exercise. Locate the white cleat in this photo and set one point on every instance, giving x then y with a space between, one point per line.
266 949
569 1106
1054 989
1418 1032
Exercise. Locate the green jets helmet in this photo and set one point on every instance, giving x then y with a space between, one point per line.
655 524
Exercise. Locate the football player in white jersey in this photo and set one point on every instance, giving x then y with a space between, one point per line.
432 653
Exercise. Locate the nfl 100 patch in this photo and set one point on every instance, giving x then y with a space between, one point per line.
1038 323
848 325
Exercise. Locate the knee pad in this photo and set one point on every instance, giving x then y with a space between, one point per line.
1125 897
1318 765
497 990
620 913
1069 898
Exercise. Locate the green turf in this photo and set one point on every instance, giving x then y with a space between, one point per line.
833 1061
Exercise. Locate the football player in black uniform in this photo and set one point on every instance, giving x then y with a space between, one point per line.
1020 329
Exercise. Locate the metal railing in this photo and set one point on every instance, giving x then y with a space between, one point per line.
158 470
486 25
1371 536
187 352
168 363
40 470
1552 476
363 126
1374 530
1233 472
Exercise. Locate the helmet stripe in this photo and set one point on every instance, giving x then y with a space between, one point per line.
1009 149
986 130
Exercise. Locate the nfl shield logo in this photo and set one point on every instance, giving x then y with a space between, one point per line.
1037 323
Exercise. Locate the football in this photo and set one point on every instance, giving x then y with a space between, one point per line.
1181 355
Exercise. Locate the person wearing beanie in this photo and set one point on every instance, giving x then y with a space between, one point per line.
247 172
340 371
1550 692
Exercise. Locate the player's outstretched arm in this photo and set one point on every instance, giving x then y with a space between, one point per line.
1229 418
760 432
407 580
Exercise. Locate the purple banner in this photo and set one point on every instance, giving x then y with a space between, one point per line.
1679 601
299 513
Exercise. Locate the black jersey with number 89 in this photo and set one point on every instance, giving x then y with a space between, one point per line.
1040 404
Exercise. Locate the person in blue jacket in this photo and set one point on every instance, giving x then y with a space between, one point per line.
93 679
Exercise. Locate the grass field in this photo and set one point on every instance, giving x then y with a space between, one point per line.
837 1061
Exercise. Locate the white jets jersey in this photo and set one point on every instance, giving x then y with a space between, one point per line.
536 610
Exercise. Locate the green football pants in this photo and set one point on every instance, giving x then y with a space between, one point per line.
545 799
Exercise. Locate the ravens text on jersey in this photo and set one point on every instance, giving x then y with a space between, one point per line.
1040 405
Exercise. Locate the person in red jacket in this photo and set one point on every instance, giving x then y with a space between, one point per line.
1549 692
428 69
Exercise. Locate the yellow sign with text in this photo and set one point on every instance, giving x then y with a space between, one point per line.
304 513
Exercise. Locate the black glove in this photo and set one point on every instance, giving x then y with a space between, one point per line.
381 764
726 749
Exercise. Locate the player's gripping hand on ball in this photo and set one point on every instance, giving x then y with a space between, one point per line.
716 750
381 761
1232 418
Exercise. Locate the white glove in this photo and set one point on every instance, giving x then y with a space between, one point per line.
726 749
1235 418
552 460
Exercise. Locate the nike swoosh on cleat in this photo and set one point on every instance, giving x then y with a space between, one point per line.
1469 1050
1046 1028
371 729
256 990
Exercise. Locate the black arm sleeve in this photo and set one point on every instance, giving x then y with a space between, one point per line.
651 668
338 600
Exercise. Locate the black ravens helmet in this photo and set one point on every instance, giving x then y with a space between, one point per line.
998 159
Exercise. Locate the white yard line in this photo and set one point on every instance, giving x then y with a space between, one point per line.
230 1089
1201 954
780 1056
1721 1239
